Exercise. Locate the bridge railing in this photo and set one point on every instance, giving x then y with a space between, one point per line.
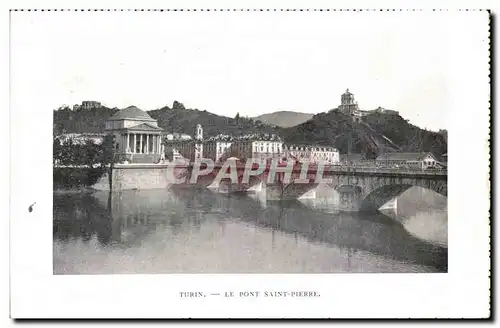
361 169
395 170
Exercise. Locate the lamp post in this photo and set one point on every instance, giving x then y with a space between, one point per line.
386 155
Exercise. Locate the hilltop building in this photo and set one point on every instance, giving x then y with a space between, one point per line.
349 106
385 111
86 105
347 103
137 135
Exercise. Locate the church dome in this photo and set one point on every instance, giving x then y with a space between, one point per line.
131 113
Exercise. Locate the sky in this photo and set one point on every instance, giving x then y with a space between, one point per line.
249 63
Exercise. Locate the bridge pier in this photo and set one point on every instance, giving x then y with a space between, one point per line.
350 198
290 191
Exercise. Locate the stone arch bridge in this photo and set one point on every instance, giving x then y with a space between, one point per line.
360 189
368 191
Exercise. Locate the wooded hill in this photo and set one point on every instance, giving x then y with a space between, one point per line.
376 133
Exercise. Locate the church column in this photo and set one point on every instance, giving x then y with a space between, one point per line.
128 142
154 144
147 143
140 142
134 148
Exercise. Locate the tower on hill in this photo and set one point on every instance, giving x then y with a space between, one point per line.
347 103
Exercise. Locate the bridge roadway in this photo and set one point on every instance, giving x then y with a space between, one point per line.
333 170
342 169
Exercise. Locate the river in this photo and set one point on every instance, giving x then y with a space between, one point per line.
198 231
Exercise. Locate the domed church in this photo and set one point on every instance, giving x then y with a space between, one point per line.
137 135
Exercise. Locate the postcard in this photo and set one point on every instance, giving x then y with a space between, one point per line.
254 164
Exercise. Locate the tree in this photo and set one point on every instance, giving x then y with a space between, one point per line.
108 150
57 151
237 117
177 105
67 150
91 153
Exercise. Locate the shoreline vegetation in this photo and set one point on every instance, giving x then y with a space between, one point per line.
76 178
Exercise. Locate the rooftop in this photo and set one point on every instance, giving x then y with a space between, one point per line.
402 156
131 113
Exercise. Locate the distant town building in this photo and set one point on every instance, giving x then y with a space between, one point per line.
385 111
243 148
314 154
86 105
81 138
257 146
137 135
413 160
198 136
221 147
177 136
215 149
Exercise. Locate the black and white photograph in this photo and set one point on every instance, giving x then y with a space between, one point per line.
232 144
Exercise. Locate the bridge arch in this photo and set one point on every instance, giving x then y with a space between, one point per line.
375 198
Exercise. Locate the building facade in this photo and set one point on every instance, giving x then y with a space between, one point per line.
347 103
81 138
243 149
137 136
381 110
261 147
177 136
88 104
410 160
313 154
222 147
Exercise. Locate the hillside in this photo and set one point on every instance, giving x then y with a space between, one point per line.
175 119
368 137
82 120
184 121
377 133
284 119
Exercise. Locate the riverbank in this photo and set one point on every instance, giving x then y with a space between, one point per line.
66 178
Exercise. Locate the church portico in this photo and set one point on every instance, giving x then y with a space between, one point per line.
137 136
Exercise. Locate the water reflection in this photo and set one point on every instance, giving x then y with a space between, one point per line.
161 231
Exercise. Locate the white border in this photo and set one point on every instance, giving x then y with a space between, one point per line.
463 292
